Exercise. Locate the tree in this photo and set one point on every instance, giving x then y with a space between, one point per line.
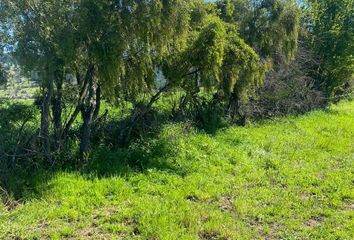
124 42
111 47
216 60
330 25
41 33
3 40
270 28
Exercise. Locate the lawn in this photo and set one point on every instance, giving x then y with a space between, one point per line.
290 178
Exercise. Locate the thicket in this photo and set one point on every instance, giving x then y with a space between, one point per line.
209 63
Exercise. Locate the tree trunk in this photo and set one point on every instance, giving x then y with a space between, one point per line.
79 106
86 132
57 111
98 103
87 115
233 109
45 118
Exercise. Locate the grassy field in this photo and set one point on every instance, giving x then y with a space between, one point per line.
291 178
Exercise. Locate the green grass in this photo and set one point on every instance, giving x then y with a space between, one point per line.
17 91
291 178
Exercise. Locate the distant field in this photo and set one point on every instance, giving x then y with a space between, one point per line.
21 91
291 178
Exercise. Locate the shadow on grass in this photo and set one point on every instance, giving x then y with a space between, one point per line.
25 184
150 147
147 150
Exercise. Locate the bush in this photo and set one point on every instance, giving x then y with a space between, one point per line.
288 89
17 135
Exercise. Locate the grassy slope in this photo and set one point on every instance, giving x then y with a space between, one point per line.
289 179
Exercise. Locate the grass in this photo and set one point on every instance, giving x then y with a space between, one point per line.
291 178
21 91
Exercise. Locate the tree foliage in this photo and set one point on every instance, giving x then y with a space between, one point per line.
271 27
330 25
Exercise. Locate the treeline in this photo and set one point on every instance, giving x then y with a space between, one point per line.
239 58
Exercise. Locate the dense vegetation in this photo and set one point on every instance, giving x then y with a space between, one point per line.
107 86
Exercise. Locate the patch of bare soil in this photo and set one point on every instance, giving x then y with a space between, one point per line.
211 236
313 222
227 204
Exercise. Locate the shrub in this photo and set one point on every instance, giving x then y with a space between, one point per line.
288 89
